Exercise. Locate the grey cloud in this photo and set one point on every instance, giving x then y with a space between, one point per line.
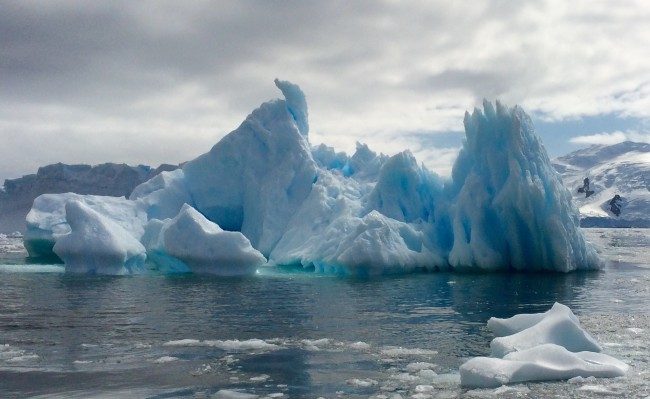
175 77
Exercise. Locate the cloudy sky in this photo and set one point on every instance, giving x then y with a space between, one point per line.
156 81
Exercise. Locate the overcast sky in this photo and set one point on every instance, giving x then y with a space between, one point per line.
152 82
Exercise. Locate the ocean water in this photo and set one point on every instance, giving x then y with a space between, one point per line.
294 335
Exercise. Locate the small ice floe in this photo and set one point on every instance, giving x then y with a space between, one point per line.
23 358
314 345
419 366
597 389
166 359
541 347
403 352
12 354
360 346
260 378
82 362
232 394
513 391
427 375
557 326
361 383
203 369
228 345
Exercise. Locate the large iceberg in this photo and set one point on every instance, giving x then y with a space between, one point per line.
504 208
539 347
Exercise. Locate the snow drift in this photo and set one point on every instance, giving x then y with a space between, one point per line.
504 207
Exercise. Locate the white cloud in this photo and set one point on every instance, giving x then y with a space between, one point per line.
611 138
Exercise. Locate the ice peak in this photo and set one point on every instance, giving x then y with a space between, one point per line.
296 104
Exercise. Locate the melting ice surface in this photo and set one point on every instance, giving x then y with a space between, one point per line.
188 336
263 194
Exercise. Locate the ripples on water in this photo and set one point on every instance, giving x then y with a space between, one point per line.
67 336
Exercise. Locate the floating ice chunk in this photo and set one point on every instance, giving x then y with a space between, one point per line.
361 382
544 346
97 244
232 394
360 345
541 363
522 321
166 359
230 345
424 389
419 366
184 342
557 326
260 378
23 358
314 344
237 345
398 352
597 389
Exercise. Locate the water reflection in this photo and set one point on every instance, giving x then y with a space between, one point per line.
120 324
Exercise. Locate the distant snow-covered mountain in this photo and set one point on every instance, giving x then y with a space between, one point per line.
621 169
17 195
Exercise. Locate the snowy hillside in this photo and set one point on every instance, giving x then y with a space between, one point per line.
622 169
17 195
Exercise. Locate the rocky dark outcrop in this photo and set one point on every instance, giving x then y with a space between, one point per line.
105 179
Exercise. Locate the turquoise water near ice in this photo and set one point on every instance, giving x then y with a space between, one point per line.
297 334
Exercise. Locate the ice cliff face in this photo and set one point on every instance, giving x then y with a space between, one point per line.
622 169
264 188
256 177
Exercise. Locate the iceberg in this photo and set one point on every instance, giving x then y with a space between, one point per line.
97 244
539 347
278 198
